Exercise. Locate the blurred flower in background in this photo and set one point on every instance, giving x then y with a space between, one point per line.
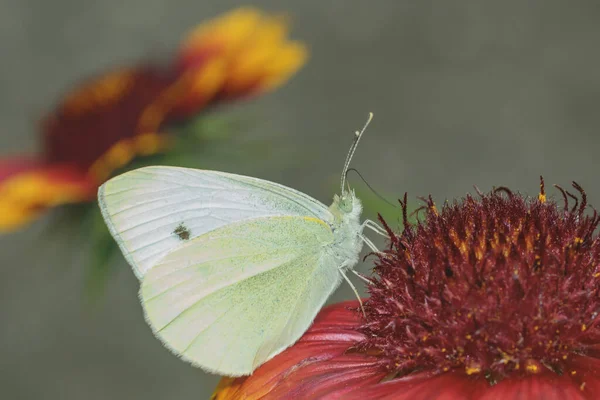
105 123
492 297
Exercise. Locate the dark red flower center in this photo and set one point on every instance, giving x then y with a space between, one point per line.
497 284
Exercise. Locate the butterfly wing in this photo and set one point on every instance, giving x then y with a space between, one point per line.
151 211
232 298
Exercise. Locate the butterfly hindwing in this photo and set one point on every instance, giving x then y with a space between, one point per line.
234 297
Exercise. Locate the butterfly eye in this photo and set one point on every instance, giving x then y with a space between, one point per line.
346 204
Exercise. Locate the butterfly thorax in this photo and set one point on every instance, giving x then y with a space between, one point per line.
346 210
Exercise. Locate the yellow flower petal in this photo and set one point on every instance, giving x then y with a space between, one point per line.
251 62
35 187
13 215
230 30
98 92
226 389
284 64
25 196
150 143
122 152
205 82
253 46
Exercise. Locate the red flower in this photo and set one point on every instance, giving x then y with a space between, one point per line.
103 124
493 297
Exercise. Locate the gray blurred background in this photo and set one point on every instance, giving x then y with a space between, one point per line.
464 92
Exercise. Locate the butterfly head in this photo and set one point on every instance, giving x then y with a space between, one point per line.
346 207
345 202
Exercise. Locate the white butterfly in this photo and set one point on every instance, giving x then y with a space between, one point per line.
233 269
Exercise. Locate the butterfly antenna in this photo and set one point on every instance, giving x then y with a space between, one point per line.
370 187
357 136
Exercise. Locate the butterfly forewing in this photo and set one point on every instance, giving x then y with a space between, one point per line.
154 210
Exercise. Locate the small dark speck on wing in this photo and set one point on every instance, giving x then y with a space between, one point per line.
182 232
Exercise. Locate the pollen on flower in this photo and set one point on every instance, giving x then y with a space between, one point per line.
494 285
470 370
532 366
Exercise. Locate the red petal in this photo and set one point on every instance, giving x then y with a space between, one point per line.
336 377
336 323
423 386
546 385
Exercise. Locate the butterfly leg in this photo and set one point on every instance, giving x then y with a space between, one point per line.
374 226
369 243
365 280
341 269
